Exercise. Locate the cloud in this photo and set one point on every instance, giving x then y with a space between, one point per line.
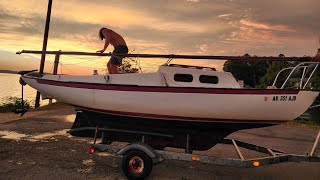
168 37
221 27
195 1
203 48
224 15
300 15
265 26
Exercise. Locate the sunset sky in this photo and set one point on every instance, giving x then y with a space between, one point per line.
211 27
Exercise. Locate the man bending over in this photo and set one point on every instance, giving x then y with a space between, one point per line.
120 47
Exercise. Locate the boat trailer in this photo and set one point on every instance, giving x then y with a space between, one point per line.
139 158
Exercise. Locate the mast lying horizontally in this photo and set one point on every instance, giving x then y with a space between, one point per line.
174 56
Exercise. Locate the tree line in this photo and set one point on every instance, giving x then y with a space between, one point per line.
262 74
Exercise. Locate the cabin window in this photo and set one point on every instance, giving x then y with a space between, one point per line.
209 79
183 77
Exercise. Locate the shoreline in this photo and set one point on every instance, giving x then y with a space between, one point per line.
8 72
43 110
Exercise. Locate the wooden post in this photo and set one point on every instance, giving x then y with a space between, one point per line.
56 62
55 68
44 48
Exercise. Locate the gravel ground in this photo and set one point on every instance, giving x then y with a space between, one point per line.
37 146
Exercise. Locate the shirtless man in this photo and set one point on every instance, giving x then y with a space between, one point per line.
120 47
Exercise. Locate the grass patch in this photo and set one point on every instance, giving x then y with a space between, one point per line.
310 117
307 122
12 103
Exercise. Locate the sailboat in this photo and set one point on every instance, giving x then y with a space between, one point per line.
178 100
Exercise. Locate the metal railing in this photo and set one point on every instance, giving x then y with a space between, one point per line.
293 69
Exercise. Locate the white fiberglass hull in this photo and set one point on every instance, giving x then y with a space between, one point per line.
270 106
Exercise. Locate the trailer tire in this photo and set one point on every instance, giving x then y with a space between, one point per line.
136 164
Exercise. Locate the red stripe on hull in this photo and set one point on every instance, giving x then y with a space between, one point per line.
166 89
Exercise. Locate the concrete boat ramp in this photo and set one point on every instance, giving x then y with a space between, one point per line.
37 146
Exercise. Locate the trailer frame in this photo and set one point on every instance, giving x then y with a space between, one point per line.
158 156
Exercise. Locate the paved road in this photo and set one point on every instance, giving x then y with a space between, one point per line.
37 146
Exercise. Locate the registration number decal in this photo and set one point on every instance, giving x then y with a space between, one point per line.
280 98
284 98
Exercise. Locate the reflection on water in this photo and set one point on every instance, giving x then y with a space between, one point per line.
9 86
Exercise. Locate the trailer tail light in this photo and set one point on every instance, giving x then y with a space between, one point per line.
256 163
195 158
92 150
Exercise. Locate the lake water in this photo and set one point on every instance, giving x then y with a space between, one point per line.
10 87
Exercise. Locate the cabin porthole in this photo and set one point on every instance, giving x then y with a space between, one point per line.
183 77
209 79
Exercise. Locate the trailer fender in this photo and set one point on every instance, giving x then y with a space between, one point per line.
138 146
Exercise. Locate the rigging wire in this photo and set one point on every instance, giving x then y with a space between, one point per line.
83 66
51 68
62 65
82 58
35 58
84 62
95 62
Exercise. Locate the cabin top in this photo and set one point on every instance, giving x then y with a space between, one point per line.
196 76
167 75
191 67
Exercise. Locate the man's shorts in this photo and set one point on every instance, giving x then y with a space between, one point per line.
121 49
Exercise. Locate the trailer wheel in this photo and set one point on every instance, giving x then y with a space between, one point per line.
136 164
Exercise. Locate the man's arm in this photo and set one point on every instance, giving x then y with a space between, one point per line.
107 41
